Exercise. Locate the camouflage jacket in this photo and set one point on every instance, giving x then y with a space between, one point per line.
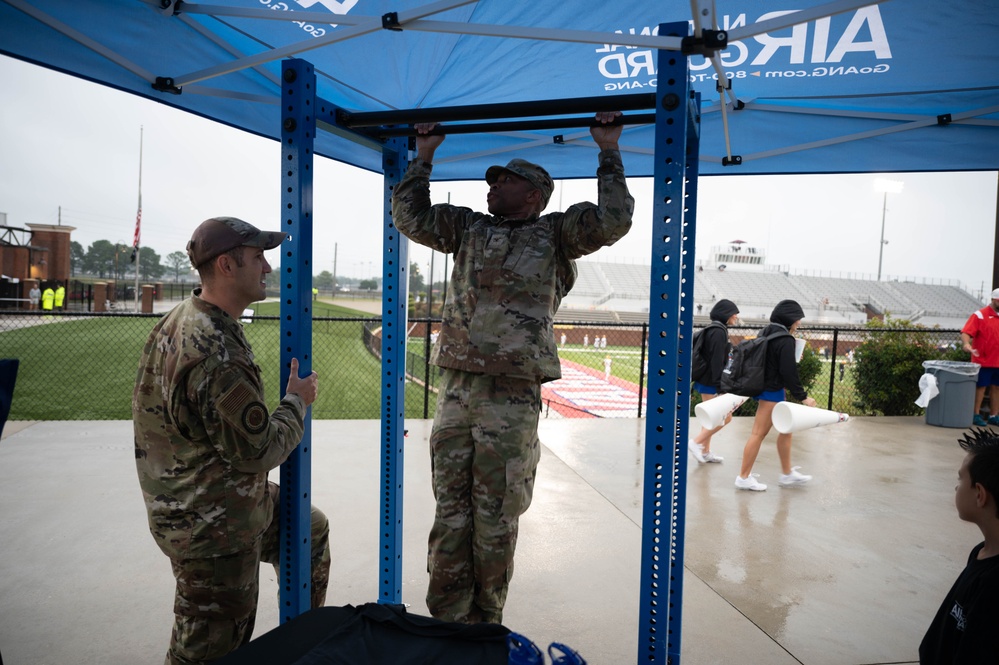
204 440
510 275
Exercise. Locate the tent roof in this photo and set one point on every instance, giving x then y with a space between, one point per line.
896 86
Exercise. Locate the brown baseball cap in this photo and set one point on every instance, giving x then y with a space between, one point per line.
220 234
533 173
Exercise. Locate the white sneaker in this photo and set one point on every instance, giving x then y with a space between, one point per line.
793 478
749 483
695 450
711 457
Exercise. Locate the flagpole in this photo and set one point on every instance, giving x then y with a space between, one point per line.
138 222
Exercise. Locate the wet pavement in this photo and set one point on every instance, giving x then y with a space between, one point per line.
847 570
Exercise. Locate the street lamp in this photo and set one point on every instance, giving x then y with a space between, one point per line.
886 187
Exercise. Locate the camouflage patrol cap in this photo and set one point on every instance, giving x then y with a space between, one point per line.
533 173
220 234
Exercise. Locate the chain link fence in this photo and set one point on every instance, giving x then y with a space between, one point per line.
82 366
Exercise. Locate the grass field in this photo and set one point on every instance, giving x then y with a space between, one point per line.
320 309
76 369
84 368
844 392
625 360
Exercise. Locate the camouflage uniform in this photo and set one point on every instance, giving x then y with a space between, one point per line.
497 347
204 443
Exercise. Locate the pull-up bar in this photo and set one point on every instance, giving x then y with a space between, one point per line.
506 126
553 107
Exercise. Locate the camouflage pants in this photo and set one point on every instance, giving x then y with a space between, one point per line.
216 601
484 452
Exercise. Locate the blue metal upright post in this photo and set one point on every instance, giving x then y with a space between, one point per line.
298 125
395 296
667 417
679 488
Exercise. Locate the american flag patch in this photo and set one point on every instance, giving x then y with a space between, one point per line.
233 401
240 406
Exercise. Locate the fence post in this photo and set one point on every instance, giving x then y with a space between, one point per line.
426 370
641 367
832 368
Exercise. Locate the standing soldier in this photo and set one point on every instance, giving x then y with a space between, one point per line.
512 267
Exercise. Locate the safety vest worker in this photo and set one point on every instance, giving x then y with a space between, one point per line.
60 296
48 295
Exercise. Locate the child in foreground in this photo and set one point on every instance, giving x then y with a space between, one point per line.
966 627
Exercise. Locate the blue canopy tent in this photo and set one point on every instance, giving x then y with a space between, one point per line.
837 87
865 90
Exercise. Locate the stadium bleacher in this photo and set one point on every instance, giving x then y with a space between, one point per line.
607 291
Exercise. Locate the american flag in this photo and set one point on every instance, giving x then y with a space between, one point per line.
138 215
138 225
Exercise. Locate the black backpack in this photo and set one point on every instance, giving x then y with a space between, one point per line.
699 365
745 373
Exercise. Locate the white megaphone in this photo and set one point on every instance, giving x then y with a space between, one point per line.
713 412
789 417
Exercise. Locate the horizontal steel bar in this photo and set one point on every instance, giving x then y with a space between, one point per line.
509 126
634 102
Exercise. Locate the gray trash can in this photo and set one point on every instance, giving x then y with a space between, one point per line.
955 405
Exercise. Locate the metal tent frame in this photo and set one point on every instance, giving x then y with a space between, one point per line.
676 161
676 120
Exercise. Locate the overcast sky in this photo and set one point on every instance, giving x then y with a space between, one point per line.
73 145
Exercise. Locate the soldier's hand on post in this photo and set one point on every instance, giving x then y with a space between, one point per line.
606 134
306 388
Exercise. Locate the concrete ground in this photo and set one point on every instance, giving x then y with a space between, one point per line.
845 571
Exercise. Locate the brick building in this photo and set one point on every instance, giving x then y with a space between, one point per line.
37 254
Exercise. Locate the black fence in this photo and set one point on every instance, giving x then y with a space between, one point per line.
80 366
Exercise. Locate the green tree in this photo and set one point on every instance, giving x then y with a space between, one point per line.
179 264
150 267
887 367
368 285
323 280
416 283
808 368
99 259
76 257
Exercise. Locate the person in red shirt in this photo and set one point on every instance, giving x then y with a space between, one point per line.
981 339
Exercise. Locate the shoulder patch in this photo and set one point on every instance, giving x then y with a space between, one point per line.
241 406
254 418
235 398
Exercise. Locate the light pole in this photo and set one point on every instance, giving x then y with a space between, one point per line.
886 187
